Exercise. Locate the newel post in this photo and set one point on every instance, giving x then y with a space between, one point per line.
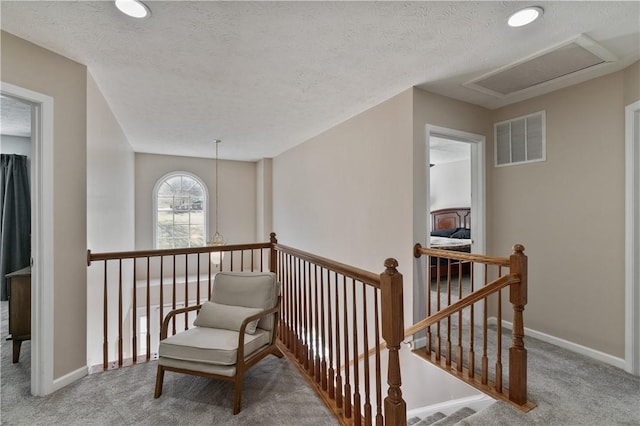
517 351
273 256
395 408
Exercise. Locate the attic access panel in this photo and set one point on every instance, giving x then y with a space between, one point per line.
564 59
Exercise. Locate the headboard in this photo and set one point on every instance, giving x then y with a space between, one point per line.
451 218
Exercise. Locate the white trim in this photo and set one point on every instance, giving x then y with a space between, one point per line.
156 187
69 378
565 344
478 179
42 274
632 238
476 403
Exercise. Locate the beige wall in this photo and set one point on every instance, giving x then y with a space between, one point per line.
110 212
31 67
237 192
569 213
343 194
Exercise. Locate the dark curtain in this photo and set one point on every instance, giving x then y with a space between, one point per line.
15 217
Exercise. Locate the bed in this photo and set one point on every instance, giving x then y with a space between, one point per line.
451 230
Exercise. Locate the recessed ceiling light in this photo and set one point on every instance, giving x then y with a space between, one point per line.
525 16
133 8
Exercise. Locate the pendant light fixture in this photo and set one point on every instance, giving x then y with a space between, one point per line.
218 239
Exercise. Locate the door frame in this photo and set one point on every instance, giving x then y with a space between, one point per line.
478 179
42 271
632 238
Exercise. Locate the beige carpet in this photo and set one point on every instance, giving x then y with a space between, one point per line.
274 394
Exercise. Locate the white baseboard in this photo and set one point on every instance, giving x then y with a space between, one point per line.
69 378
565 344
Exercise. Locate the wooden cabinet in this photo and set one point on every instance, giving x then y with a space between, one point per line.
19 292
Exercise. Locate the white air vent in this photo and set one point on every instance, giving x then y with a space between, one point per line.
567 58
520 140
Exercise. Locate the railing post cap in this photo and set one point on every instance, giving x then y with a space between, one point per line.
391 263
273 237
518 248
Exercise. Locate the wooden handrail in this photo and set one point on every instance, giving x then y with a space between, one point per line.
346 270
468 300
170 252
418 251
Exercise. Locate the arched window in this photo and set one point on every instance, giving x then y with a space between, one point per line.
180 211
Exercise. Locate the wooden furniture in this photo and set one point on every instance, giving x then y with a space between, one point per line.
19 293
232 332
451 218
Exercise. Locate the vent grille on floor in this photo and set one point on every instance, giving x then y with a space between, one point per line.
567 58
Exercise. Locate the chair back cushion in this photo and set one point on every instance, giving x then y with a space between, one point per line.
248 289
217 315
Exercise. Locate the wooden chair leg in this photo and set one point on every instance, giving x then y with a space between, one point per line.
237 395
159 380
16 350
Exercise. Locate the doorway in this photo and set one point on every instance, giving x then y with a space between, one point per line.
439 137
632 238
42 270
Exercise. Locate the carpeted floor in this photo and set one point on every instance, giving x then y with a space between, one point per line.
570 389
274 394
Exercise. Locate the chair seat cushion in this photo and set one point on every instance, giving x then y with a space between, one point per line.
211 345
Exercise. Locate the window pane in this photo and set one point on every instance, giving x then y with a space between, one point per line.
180 215
534 137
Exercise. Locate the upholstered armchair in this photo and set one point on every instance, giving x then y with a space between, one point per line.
232 332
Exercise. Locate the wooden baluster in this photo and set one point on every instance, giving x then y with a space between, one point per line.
338 353
307 307
272 252
120 312
428 277
498 381
379 418
485 360
323 331
309 332
198 301
241 260
209 274
105 322
438 347
448 347
517 351
134 323
330 374
299 334
316 341
186 290
291 313
395 408
365 351
231 266
148 355
472 355
285 297
347 382
173 321
459 352
162 296
357 417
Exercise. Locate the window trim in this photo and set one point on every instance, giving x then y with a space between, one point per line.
154 196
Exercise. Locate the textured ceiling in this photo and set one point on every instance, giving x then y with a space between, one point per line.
15 117
265 76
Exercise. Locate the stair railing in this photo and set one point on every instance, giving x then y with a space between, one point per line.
334 320
452 312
